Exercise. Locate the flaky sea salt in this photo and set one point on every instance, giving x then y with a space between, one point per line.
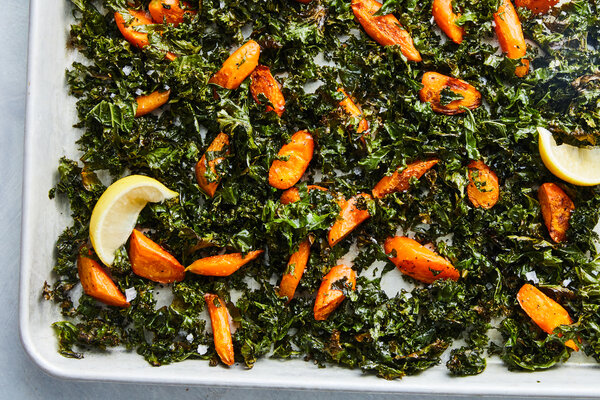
130 294
189 338
566 282
532 276
127 69
202 348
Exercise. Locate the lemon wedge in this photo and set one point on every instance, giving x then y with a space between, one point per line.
576 165
116 212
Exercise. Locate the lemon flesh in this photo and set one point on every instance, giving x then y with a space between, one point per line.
577 165
116 212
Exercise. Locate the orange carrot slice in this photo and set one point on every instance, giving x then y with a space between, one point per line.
219 319
483 189
97 284
238 66
292 195
328 298
294 271
545 312
264 83
168 11
537 6
218 144
417 261
151 261
556 210
445 18
350 217
138 39
510 35
139 18
434 84
223 265
399 181
386 29
352 109
150 102
285 174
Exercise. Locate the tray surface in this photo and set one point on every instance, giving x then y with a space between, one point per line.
49 135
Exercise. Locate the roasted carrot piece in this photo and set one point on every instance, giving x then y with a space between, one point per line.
96 283
138 39
445 18
295 268
556 210
264 83
510 35
150 102
138 18
169 11
285 174
352 109
537 6
328 299
350 217
545 312
238 66
223 265
292 195
399 181
483 189
386 29
433 86
417 261
219 319
151 261
218 144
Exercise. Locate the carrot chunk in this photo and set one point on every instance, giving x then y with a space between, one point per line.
510 35
97 284
399 181
150 102
292 195
294 271
328 298
350 217
352 109
445 18
223 265
483 189
434 84
151 261
219 144
545 312
138 18
386 29
417 261
285 174
169 11
238 66
219 319
264 83
556 210
127 29
537 6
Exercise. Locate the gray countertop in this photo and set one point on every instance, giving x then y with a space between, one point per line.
20 378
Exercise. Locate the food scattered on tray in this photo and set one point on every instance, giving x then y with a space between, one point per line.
268 163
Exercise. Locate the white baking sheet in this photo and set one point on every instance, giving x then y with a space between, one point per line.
49 135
